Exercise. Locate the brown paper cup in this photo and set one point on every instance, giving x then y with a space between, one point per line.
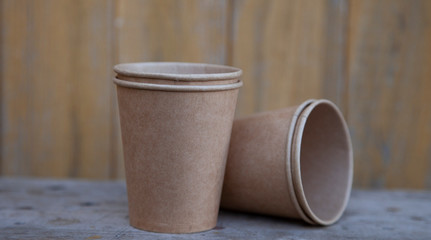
175 142
295 162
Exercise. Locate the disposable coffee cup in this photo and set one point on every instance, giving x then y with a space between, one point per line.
295 162
175 142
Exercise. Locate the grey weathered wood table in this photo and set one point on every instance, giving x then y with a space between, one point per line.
71 209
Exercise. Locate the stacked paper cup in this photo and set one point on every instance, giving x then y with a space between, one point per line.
176 121
295 162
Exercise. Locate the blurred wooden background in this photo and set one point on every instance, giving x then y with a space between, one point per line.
372 58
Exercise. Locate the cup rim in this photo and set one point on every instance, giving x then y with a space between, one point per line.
296 170
215 71
289 166
177 88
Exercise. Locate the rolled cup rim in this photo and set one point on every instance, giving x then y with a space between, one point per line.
137 69
289 167
177 88
296 166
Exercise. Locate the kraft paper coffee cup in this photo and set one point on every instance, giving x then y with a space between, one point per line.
295 162
175 142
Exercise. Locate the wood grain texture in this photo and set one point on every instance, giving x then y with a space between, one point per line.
59 115
90 88
335 63
55 94
52 209
170 30
389 94
286 49
1 89
35 79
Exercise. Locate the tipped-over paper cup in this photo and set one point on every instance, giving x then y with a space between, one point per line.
295 162
175 142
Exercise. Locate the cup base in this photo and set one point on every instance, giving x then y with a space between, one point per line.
172 228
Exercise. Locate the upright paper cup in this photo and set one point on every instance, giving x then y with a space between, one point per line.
295 162
175 142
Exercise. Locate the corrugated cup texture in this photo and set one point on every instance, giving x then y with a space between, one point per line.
295 162
175 141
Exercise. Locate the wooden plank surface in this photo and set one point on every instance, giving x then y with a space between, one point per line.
56 64
90 88
50 209
59 115
171 30
287 51
36 78
389 94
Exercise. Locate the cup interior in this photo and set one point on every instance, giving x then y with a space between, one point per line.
325 162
